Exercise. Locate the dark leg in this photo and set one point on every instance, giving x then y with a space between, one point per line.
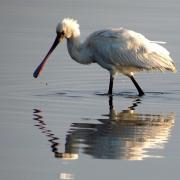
110 103
111 84
141 93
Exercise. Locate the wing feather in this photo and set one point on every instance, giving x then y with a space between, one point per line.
125 48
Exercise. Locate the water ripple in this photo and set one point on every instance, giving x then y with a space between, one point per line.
116 135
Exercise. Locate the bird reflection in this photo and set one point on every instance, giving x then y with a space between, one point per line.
125 135
52 138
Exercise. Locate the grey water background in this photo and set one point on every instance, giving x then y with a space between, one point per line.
62 125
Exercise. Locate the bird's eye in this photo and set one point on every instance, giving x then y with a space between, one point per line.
62 33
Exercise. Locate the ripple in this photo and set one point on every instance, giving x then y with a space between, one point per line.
125 134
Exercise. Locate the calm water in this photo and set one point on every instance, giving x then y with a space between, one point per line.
62 125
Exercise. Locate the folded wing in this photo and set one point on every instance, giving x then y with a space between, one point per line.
126 48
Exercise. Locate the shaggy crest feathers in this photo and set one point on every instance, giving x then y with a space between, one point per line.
69 26
70 22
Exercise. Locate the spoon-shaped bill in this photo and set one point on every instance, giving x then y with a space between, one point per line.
42 64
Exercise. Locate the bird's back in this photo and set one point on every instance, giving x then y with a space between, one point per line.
127 50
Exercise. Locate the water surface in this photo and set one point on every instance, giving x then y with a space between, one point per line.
63 125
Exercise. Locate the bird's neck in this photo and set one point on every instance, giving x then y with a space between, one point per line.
77 50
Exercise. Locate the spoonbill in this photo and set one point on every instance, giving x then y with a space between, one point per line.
117 50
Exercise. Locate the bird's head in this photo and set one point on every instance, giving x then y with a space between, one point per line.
68 28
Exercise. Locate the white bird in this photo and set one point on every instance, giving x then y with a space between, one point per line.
117 50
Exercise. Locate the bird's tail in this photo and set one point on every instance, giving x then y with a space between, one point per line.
173 68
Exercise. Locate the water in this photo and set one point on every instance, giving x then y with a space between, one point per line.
62 125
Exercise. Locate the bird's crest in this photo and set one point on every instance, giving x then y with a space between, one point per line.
70 23
69 26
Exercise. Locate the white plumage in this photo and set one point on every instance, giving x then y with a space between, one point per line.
126 51
117 50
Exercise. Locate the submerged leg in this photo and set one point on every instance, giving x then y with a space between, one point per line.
111 84
141 93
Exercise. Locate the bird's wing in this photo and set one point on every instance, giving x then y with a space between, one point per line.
125 48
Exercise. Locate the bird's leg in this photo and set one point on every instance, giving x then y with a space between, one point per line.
141 93
110 103
111 84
